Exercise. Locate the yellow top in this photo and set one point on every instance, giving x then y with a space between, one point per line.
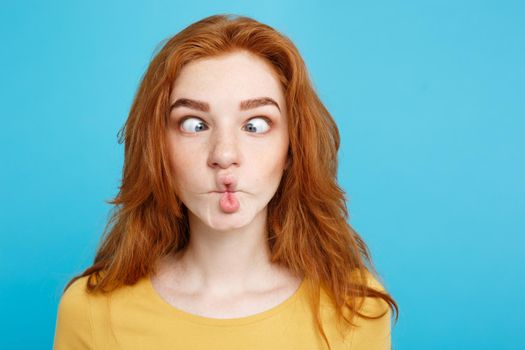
137 317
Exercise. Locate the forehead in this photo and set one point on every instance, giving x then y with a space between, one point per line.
234 76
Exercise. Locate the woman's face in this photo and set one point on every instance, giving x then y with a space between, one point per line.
227 131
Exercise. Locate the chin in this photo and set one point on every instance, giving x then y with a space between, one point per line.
228 222
214 218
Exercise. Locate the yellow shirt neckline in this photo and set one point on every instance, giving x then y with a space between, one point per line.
212 321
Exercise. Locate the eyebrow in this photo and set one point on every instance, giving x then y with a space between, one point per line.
244 105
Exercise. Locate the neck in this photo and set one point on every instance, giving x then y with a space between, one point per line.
226 262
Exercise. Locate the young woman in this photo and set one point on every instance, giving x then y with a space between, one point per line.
229 229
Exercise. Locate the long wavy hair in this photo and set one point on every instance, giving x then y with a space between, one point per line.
308 231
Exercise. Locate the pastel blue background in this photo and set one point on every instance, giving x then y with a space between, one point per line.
429 99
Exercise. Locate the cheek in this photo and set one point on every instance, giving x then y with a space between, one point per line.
183 160
268 163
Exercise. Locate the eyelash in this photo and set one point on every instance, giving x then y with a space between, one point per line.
183 119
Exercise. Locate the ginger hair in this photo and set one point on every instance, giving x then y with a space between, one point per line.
308 231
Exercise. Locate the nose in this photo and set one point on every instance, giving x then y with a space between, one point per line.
224 151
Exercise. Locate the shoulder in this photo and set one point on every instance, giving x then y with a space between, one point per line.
372 305
373 333
73 324
75 298
372 330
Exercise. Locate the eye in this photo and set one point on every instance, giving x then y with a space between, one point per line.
261 123
191 124
194 124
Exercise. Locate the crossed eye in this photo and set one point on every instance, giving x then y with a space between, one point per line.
195 124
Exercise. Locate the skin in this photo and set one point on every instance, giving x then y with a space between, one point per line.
226 270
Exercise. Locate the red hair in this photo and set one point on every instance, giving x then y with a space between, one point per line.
307 230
